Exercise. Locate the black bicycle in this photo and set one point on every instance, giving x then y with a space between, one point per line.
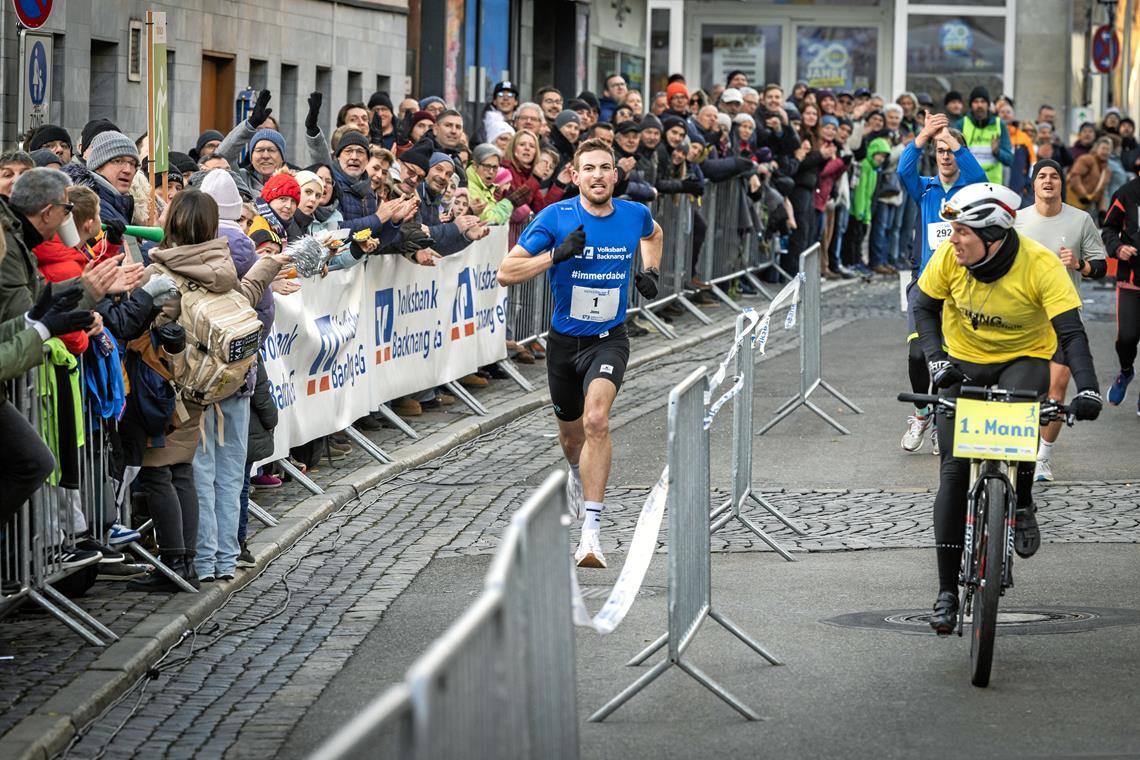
987 560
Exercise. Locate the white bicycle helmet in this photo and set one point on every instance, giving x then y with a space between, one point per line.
981 205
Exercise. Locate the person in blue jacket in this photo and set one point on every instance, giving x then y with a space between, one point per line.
957 168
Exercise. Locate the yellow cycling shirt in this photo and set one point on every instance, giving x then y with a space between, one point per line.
990 323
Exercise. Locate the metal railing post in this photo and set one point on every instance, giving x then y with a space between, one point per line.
742 423
690 560
811 339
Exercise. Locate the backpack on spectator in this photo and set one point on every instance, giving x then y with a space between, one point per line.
222 338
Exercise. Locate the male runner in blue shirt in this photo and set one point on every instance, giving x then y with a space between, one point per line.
588 242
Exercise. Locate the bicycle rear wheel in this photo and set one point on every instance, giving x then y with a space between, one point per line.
989 548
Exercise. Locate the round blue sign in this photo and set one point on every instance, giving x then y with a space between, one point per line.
37 74
1105 49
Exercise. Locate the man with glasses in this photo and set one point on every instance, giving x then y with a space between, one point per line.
588 243
37 207
612 95
957 168
112 161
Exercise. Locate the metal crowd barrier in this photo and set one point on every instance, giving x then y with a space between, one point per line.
690 561
811 339
501 681
742 423
732 247
31 549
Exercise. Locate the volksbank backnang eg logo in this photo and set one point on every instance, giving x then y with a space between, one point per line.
384 318
336 331
463 310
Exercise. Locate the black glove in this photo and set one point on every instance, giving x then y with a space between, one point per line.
64 322
693 186
115 230
413 238
55 300
404 128
570 247
944 374
375 129
311 128
646 282
1087 405
260 113
172 338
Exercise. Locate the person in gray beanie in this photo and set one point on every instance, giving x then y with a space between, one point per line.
45 157
112 161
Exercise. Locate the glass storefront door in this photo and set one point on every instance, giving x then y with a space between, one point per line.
755 50
837 57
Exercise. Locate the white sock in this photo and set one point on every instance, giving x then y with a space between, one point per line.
593 520
575 472
1045 451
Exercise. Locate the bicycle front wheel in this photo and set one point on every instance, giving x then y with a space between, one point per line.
988 553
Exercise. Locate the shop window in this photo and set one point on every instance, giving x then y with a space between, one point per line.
755 50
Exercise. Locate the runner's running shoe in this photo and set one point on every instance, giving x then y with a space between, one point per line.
589 552
575 501
1043 471
1119 387
916 427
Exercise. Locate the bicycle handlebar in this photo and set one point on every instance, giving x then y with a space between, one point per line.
1050 410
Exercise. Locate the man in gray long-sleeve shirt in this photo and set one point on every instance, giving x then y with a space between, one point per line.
1071 234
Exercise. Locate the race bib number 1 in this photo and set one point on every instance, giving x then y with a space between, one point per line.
937 233
594 304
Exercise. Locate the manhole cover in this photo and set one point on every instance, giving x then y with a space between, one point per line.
1013 621
602 592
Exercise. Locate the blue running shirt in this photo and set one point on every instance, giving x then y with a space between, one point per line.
590 290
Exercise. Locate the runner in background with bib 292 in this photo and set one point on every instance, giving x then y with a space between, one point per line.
957 167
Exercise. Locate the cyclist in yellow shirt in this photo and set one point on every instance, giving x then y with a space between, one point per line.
1005 303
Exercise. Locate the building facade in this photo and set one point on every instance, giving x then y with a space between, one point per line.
216 49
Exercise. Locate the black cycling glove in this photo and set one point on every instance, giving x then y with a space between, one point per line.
944 374
1087 405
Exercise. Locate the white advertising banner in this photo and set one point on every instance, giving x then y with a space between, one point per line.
345 344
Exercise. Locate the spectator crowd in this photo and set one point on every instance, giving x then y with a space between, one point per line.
413 179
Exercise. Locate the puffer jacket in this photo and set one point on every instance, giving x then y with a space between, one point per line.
211 266
262 419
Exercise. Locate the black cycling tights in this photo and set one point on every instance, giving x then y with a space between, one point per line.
1127 325
954 478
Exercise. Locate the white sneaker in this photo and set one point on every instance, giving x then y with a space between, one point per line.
575 501
589 553
1043 471
916 426
934 448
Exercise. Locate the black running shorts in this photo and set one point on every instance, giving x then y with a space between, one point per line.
573 362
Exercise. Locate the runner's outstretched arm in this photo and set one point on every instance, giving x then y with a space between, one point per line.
520 266
651 248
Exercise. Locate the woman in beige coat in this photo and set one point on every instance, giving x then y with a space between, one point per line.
192 249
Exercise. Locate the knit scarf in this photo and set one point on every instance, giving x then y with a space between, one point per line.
265 211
